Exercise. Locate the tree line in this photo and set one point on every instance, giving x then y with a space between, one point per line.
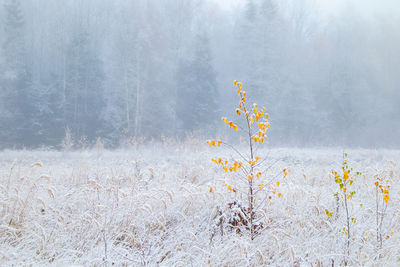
131 69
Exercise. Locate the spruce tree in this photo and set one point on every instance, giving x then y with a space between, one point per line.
197 89
16 81
84 103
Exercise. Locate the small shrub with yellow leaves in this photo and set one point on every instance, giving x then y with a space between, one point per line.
382 198
247 167
345 183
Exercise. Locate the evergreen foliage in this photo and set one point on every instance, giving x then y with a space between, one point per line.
197 89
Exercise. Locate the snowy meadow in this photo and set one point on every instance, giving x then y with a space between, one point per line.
106 108
166 204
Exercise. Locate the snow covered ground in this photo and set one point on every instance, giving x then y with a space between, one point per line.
152 205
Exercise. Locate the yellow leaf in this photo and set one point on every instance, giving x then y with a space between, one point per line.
386 198
235 83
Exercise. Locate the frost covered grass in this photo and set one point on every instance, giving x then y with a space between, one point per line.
152 205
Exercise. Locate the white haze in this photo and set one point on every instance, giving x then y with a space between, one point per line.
325 70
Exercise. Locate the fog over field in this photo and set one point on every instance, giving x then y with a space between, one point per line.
326 71
199 133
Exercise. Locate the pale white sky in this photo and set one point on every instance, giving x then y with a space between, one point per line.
362 6
365 7
228 4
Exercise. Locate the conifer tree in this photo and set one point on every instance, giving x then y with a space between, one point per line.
197 89
84 102
16 80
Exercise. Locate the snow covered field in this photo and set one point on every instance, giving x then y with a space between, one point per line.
152 205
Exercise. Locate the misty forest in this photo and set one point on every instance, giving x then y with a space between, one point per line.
199 133
164 69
